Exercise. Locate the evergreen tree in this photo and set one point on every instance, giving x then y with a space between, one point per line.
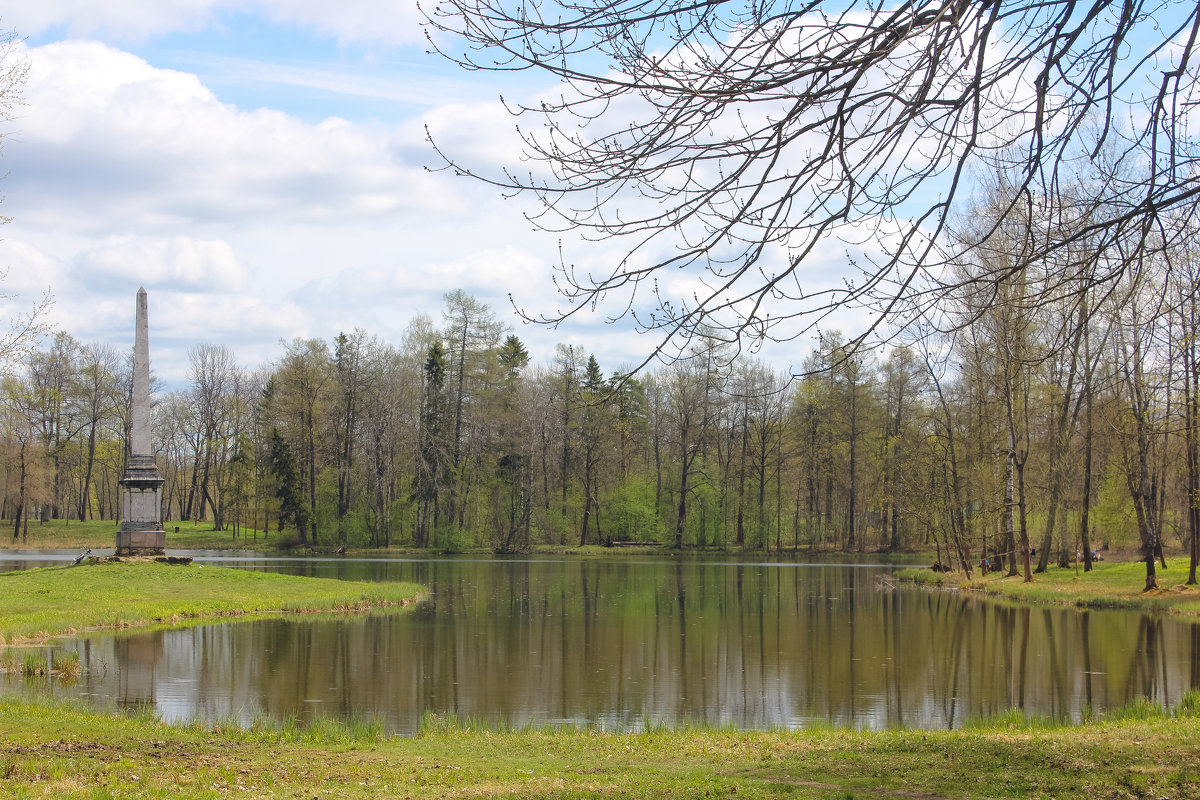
288 486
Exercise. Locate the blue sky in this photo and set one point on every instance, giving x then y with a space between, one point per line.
261 167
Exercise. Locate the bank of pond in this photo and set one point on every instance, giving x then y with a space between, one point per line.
1107 585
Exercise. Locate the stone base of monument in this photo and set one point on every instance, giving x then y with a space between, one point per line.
141 543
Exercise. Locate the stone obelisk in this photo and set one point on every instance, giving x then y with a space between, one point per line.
141 532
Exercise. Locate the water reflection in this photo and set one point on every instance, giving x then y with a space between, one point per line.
624 644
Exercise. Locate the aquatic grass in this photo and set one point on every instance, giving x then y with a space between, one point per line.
1142 709
8 661
53 601
322 729
326 730
1189 704
825 726
65 664
1012 719
34 665
434 724
927 577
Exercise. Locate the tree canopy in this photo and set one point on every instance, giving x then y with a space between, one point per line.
729 140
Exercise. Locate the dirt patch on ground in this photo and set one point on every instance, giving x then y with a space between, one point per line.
1171 591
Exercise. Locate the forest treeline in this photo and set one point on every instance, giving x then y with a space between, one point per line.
1067 426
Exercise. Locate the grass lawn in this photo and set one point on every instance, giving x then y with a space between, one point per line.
54 601
102 534
1108 585
56 749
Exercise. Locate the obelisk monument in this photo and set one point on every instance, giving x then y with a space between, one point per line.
141 532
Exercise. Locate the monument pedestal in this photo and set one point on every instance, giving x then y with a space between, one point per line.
141 543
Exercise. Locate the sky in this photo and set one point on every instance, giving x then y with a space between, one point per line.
262 168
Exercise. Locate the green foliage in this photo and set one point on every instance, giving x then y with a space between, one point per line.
354 529
289 540
1113 515
705 525
630 513
450 539
326 526
292 509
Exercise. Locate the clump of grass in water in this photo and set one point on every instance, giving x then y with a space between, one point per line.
34 665
8 661
66 664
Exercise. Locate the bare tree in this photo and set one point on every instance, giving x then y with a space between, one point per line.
731 139
96 395
25 326
213 373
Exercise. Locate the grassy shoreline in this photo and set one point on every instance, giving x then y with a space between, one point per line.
1108 585
100 536
58 749
64 600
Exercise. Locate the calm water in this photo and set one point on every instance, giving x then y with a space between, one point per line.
626 643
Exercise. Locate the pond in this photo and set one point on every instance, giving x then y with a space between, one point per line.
625 643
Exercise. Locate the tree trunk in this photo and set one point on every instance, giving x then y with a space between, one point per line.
1084 533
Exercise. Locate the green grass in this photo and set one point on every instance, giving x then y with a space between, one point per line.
101 535
58 749
54 601
1108 585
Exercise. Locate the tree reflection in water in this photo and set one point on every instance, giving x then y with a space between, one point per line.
627 643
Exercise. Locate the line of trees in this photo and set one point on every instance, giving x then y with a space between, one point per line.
1048 428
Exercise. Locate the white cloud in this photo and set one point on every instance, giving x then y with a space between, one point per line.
27 270
182 262
383 21
357 81
111 142
198 318
128 19
480 137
